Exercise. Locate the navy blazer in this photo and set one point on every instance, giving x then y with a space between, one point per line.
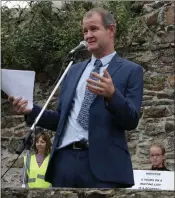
109 157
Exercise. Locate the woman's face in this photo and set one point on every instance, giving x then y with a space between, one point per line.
41 145
156 157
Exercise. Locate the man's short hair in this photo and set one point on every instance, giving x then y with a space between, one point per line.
106 16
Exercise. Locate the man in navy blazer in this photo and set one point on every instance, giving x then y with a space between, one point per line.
99 100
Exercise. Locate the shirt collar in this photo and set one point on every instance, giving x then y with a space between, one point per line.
105 60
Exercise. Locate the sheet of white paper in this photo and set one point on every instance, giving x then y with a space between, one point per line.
18 83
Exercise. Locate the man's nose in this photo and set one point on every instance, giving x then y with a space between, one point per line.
89 35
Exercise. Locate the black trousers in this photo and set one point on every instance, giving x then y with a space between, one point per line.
72 169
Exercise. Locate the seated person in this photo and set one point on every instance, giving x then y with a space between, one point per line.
157 157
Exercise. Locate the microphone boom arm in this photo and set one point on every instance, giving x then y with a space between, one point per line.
27 139
52 94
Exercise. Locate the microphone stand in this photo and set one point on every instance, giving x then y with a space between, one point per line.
27 141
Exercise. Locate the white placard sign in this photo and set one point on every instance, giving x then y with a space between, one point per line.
153 180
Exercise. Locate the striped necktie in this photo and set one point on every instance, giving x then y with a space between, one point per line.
83 116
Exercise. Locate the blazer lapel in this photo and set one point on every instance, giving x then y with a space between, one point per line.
114 65
75 76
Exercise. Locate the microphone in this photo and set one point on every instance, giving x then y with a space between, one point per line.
82 45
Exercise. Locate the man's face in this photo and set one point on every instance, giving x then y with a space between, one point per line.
156 157
96 35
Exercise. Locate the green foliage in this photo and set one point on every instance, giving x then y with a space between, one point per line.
122 14
39 37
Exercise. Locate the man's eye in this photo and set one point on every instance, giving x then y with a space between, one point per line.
93 28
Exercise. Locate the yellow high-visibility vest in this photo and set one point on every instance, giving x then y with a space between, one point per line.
36 174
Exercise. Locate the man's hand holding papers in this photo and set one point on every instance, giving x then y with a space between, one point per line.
20 105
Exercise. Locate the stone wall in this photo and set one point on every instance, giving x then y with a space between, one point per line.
152 46
82 193
149 42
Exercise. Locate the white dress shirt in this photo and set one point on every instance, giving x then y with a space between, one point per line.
73 130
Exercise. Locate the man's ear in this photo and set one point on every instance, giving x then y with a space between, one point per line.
112 29
163 157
